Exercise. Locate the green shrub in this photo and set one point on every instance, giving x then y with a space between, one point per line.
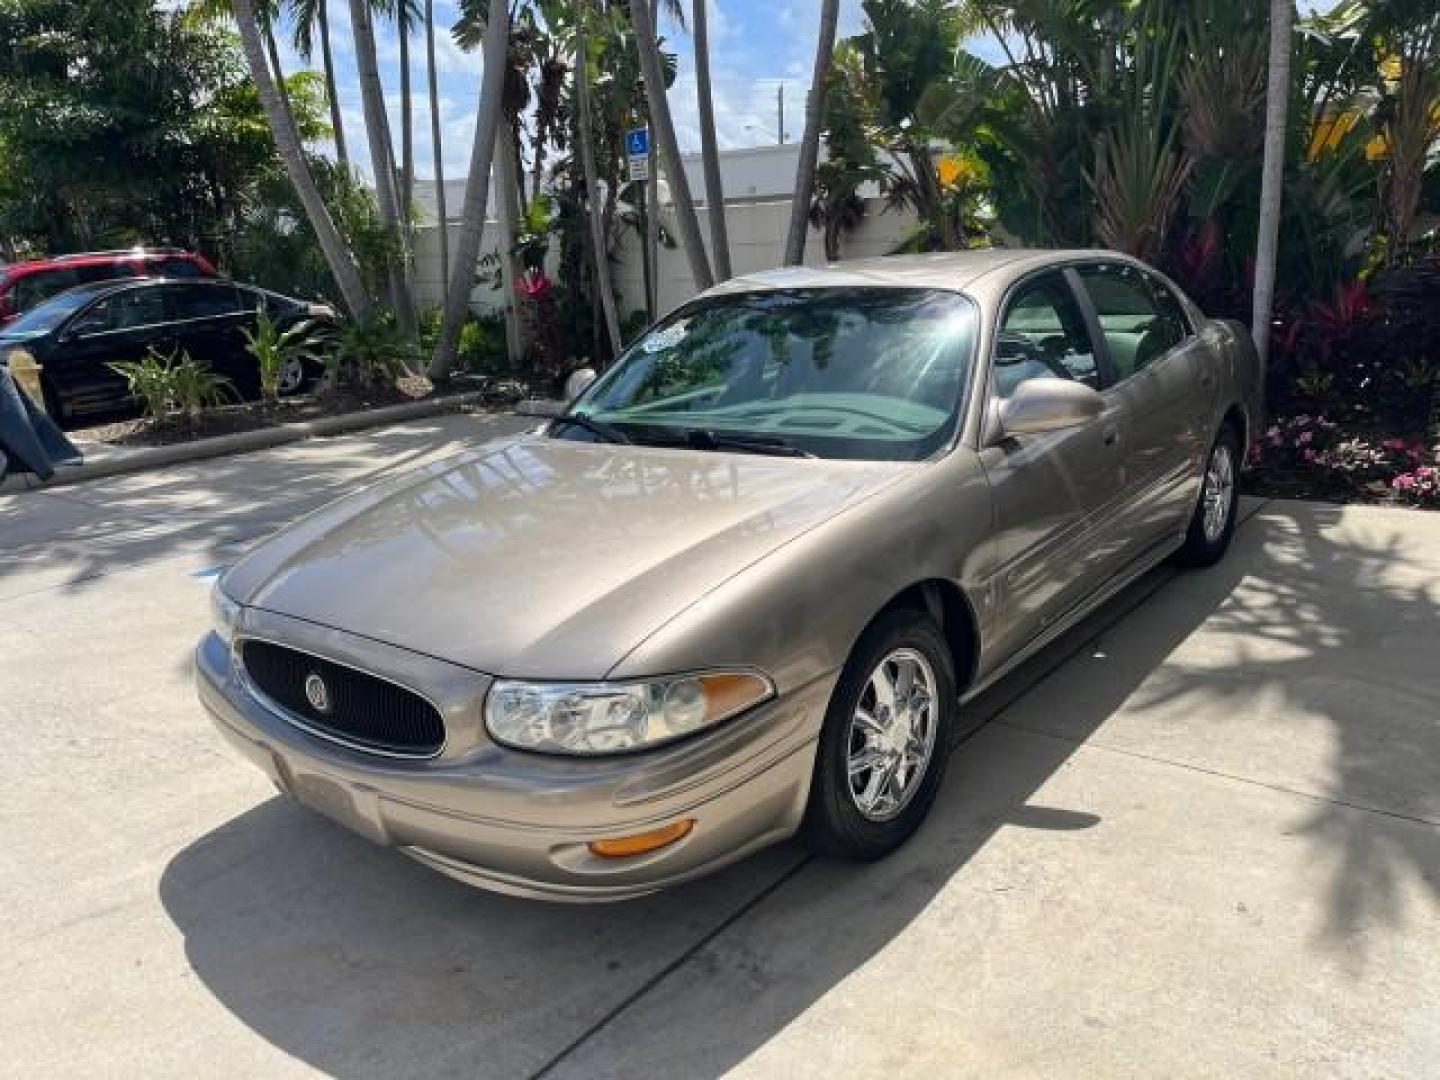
165 384
273 348
482 346
372 352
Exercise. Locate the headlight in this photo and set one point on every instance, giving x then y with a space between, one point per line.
224 613
612 717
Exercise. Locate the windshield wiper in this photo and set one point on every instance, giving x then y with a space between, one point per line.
704 439
595 427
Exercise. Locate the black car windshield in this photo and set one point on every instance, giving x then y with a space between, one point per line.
871 373
47 316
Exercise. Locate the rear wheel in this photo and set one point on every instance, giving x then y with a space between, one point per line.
882 751
1213 523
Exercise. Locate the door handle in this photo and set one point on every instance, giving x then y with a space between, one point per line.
1207 381
1110 435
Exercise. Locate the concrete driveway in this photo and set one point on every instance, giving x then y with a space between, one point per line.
1197 838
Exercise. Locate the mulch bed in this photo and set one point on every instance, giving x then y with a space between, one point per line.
256 415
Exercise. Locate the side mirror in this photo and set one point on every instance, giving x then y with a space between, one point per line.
1040 405
579 381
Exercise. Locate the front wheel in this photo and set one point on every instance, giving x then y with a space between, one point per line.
1213 523
882 751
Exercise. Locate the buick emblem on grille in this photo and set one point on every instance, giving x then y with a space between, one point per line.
317 693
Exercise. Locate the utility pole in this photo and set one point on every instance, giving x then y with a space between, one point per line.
780 108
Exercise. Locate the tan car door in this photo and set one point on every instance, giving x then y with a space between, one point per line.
1054 493
1158 390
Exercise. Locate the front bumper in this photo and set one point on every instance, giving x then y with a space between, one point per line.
519 822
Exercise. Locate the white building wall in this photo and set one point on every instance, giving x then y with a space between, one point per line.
757 242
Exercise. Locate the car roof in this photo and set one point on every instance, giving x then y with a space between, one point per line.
26 267
952 270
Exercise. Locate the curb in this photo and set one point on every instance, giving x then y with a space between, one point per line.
244 442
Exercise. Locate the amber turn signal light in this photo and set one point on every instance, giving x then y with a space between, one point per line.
640 843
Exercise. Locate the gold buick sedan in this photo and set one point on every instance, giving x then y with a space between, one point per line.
743 586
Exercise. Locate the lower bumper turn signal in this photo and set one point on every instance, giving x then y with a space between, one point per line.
640 843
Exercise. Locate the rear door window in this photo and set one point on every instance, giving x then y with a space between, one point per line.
202 301
175 267
1138 327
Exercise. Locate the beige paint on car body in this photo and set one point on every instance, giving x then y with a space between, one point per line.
547 559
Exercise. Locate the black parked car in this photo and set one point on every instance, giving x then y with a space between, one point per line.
76 335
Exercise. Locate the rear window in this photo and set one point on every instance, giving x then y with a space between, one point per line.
38 287
179 268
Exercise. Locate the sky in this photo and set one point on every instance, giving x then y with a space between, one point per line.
757 47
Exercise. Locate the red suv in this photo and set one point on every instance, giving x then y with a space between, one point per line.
23 285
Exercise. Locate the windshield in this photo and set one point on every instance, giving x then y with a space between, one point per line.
49 315
872 373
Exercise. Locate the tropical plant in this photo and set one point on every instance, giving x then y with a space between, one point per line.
487 129
371 352
166 383
281 356
287 142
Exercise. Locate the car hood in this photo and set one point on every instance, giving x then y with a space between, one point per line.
540 557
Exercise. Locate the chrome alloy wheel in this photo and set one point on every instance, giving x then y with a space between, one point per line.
892 735
1219 492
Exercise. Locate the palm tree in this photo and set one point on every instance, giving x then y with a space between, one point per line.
800 208
599 248
437 151
377 132
312 15
287 143
663 132
477 190
714 195
1277 102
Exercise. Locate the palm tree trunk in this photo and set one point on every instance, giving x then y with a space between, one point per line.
652 209
477 191
273 54
1277 102
287 144
508 177
714 194
337 124
664 134
377 133
810 143
599 249
437 151
407 115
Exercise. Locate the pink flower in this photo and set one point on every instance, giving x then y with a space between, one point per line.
1310 456
1393 444
1305 438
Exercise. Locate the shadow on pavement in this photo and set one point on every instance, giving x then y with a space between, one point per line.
358 963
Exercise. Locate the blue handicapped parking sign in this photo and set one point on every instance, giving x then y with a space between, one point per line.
637 142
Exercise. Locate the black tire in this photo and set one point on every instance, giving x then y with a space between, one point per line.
834 823
1204 547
